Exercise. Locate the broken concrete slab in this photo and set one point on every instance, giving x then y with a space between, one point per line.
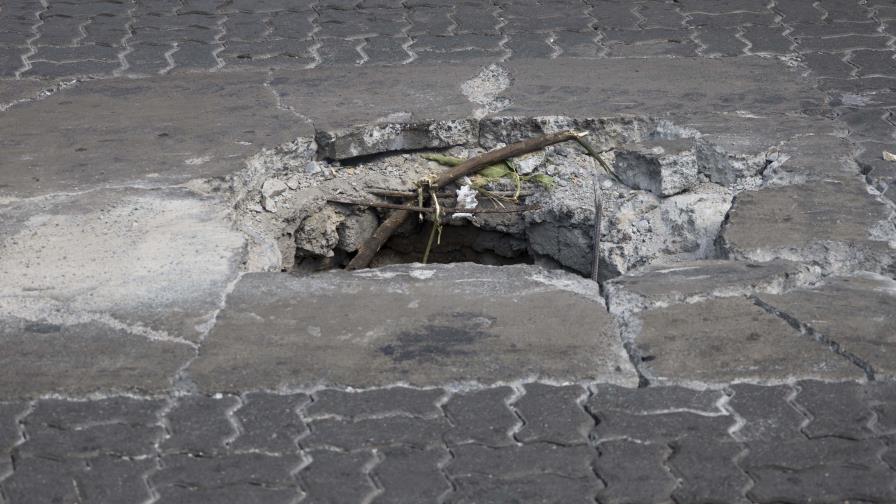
662 167
834 223
333 99
720 341
811 158
145 132
154 263
690 281
392 136
577 87
85 357
856 312
421 325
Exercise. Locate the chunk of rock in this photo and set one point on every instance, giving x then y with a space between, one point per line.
835 223
388 137
660 285
269 190
664 168
318 234
355 229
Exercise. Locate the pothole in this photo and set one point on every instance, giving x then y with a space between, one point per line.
673 191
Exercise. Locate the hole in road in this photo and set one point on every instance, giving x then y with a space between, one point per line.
667 202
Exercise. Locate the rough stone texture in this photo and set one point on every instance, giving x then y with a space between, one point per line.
482 417
483 337
379 402
659 285
663 168
167 257
89 91
723 340
269 422
190 432
553 415
856 312
798 223
187 128
766 413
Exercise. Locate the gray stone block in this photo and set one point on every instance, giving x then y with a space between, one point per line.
661 427
102 479
200 425
335 477
707 470
835 409
521 462
482 338
664 168
411 475
651 400
634 472
854 312
376 433
766 412
481 417
257 469
270 422
535 488
724 340
553 415
387 137
376 402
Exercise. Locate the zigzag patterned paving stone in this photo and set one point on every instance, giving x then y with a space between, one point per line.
634 472
199 425
481 417
766 413
376 402
270 422
553 415
336 477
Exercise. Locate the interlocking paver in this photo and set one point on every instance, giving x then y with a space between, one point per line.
634 472
117 426
481 417
553 414
708 471
766 412
847 417
270 422
376 433
336 477
826 469
828 64
409 475
654 400
200 424
102 479
376 402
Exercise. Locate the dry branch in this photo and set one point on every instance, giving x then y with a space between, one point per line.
372 245
446 210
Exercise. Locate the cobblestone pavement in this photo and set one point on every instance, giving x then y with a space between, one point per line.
129 425
807 442
848 44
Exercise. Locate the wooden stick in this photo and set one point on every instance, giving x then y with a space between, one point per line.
415 209
595 260
445 194
372 245
475 164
